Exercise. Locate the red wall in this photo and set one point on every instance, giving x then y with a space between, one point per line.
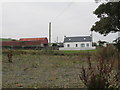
28 42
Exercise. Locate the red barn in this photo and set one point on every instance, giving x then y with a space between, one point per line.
10 43
43 40
25 42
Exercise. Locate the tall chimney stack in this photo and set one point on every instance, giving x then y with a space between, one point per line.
49 32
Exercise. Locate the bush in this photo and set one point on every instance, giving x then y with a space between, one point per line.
107 52
101 74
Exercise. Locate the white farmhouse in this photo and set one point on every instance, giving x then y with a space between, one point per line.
78 43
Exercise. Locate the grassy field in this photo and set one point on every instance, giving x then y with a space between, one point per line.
52 52
44 69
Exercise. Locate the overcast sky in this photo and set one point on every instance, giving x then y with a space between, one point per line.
30 19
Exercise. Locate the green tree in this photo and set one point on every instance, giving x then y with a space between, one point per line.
101 43
117 41
109 18
94 44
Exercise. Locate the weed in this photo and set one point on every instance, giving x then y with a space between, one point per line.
102 75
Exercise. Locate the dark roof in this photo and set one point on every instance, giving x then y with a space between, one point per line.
78 39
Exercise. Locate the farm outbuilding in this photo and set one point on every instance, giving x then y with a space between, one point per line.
26 43
45 40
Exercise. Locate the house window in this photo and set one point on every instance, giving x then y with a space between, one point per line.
76 45
68 45
82 45
87 44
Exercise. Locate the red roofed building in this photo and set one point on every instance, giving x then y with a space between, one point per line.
43 40
26 42
33 39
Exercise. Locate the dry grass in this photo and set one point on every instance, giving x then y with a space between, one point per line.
42 71
46 69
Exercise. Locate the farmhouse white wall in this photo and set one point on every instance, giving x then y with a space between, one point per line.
73 44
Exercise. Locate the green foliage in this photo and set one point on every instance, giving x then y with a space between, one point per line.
54 44
117 44
7 39
94 44
109 15
101 43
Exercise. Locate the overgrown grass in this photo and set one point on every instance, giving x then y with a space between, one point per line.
49 52
77 51
41 71
47 68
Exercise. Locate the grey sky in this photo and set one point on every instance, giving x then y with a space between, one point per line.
30 19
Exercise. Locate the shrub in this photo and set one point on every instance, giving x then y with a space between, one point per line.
101 74
107 52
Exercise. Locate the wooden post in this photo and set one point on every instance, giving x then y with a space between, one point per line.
10 57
